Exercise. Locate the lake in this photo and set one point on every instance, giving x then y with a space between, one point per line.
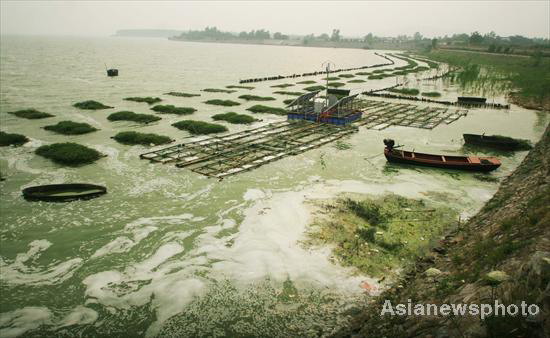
168 251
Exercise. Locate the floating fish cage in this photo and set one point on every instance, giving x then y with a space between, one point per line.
337 112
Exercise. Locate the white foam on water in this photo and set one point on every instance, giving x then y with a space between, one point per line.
17 322
19 273
253 194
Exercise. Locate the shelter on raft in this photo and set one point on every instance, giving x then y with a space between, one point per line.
338 109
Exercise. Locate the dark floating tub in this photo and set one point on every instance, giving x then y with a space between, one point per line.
63 192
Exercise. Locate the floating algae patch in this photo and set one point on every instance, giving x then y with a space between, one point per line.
263 309
200 127
72 154
378 235
226 103
284 92
306 82
181 94
31 114
171 109
131 116
256 98
405 91
431 94
215 90
70 128
234 118
132 138
347 76
91 105
283 85
314 88
7 139
336 84
240 87
148 99
267 109
331 78
356 81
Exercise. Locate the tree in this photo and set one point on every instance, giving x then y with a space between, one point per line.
476 38
324 37
335 35
434 43
369 38
417 36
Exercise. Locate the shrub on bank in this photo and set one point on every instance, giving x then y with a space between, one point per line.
200 127
69 153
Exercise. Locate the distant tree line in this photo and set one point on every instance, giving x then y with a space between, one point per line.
212 33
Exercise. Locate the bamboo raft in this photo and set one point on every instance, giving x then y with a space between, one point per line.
379 115
246 150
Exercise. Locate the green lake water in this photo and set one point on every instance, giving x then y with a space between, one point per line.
168 252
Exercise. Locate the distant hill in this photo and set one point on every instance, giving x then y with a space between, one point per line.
148 33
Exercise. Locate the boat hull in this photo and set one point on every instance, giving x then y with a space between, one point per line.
482 167
63 192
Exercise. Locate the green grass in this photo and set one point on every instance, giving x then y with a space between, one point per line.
283 92
287 101
91 105
132 138
72 154
405 91
70 128
377 235
148 100
131 116
182 94
530 75
200 127
267 110
7 139
314 88
336 84
377 77
283 85
356 81
346 76
363 73
331 78
240 87
215 90
256 98
431 94
306 82
234 118
226 103
31 114
171 109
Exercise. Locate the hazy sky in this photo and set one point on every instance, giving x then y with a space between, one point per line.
353 18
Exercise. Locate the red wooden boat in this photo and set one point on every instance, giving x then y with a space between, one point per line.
473 163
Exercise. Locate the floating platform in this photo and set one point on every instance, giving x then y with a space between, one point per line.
243 151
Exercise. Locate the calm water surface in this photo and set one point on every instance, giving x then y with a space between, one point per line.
170 252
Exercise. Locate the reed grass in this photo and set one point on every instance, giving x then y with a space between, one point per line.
7 139
200 127
31 114
225 103
131 116
133 138
171 109
68 153
71 128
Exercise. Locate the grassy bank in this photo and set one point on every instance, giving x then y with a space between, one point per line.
529 76
378 235
501 254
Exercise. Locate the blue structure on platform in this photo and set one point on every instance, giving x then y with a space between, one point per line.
340 113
